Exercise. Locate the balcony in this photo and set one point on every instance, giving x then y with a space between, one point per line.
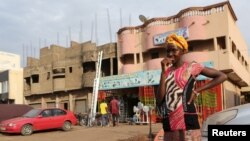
35 88
59 84
88 79
59 72
58 64
27 92
153 64
239 73
128 43
131 68
224 61
89 56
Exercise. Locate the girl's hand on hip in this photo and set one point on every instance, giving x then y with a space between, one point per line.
193 96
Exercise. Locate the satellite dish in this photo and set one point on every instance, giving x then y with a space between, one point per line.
142 18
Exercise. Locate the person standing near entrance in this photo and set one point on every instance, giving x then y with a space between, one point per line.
104 112
177 93
114 109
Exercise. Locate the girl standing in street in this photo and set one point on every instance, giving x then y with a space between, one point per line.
177 92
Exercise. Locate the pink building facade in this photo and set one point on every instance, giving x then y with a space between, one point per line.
213 36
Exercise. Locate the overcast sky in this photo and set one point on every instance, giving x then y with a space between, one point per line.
32 24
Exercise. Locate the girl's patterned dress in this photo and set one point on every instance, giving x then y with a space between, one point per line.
180 121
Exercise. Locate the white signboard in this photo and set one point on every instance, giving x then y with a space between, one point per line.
160 38
130 80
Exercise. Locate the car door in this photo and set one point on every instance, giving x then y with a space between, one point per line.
44 120
59 117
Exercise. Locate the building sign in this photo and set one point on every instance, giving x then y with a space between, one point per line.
130 80
160 38
137 79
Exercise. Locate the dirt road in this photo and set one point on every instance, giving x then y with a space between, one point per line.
120 133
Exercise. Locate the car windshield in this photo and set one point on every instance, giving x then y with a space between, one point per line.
32 113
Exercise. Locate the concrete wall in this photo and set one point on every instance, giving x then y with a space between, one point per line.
16 86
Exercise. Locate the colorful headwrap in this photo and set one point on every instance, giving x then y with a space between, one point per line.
179 41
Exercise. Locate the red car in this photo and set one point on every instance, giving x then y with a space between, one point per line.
39 119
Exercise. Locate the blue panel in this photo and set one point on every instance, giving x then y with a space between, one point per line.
137 79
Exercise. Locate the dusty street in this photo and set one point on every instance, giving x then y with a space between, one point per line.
79 133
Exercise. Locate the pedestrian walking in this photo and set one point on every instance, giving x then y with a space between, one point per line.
104 112
114 109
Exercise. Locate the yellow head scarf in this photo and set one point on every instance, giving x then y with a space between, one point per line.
179 41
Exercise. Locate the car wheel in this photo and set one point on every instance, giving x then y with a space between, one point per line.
27 129
66 126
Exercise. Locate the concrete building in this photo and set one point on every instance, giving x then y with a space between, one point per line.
11 79
63 77
213 37
214 40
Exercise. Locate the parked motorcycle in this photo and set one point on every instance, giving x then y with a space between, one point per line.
82 119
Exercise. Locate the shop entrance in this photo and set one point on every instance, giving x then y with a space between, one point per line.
127 100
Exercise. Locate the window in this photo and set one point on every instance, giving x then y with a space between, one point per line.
58 70
128 59
246 65
70 69
138 58
242 60
47 113
48 75
238 54
1 90
154 55
221 42
58 112
88 67
35 78
233 47
5 87
27 80
191 48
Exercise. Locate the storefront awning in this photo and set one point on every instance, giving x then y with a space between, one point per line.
138 79
245 89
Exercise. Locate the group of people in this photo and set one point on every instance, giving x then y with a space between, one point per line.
111 109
